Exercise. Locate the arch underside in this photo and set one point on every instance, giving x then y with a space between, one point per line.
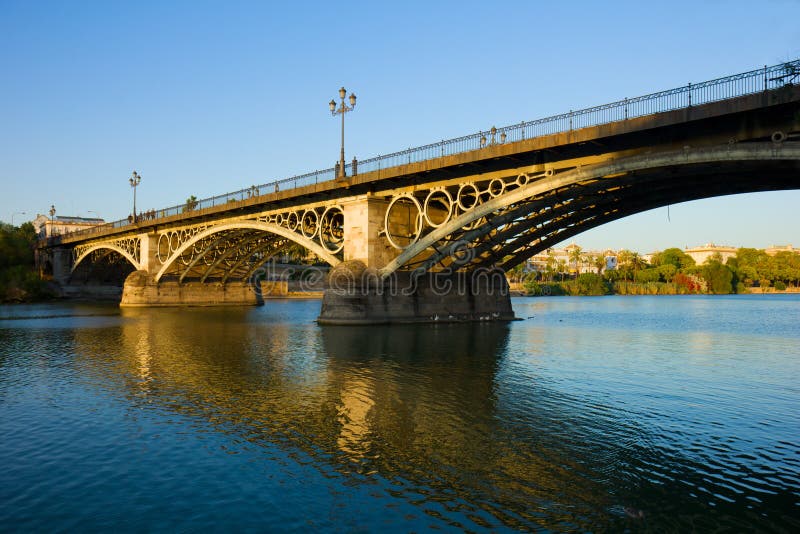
103 266
528 225
238 251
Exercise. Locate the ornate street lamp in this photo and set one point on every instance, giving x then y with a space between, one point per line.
493 140
16 213
343 108
134 180
52 226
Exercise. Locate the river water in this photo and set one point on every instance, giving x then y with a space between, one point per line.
591 414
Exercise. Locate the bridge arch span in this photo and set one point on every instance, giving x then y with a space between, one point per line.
111 247
535 216
242 225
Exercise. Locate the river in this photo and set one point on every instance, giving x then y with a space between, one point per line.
590 414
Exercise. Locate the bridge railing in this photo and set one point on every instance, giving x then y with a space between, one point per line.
746 83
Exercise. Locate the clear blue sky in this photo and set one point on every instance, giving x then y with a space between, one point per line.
204 97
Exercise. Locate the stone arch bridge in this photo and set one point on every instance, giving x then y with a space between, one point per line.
426 233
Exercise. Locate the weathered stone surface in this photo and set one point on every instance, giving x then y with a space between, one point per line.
141 290
409 298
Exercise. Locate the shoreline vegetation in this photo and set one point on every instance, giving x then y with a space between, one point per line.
19 280
669 272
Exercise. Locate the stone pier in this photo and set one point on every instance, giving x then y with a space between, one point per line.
141 290
358 296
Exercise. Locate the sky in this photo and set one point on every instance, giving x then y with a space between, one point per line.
202 97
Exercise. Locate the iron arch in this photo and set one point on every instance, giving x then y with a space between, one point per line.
104 246
508 208
303 241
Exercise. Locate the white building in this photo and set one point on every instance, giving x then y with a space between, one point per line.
702 253
60 224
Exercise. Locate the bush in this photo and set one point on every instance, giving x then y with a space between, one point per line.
779 285
588 284
535 289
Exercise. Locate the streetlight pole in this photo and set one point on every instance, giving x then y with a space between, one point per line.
134 180
16 213
52 216
343 108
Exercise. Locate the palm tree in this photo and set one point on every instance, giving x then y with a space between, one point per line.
576 255
191 203
599 263
637 262
623 261
550 267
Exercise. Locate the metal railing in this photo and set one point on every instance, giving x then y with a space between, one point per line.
737 85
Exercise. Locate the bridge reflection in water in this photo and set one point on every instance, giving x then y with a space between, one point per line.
261 418
413 409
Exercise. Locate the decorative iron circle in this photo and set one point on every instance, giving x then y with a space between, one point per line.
408 200
292 220
331 229
468 196
440 196
496 187
309 224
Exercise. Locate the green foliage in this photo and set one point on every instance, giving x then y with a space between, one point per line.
18 279
666 272
675 272
647 275
535 289
672 256
588 284
718 277
191 203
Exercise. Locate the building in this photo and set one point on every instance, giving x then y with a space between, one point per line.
58 225
774 249
561 260
702 253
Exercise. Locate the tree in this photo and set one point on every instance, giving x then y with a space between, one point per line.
673 256
718 277
576 255
191 203
550 266
623 262
599 263
18 278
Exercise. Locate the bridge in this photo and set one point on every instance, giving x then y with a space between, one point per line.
426 233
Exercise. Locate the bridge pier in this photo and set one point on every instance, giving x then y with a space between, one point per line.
62 265
357 296
141 290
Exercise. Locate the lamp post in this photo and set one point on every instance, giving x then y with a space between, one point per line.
134 180
16 213
52 216
343 108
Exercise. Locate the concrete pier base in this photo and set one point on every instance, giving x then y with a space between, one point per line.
357 296
141 290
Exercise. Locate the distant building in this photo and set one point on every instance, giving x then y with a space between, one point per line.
702 253
774 249
60 224
555 257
